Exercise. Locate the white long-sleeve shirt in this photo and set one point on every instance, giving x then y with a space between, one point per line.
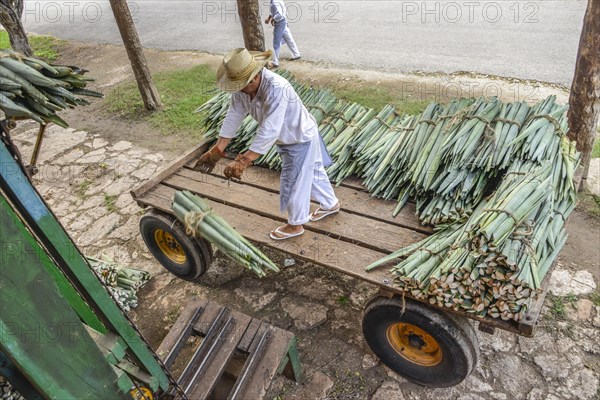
277 10
277 108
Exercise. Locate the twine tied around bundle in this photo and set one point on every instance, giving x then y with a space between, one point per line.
192 221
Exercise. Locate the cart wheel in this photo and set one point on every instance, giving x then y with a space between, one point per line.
141 393
184 256
426 346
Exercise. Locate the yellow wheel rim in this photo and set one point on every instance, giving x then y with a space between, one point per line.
414 344
169 246
141 394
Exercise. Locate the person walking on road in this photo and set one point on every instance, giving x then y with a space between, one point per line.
278 18
284 122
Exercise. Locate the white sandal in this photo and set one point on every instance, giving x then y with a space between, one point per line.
284 235
320 213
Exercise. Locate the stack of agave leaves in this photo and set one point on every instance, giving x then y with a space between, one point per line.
343 147
356 150
214 112
453 160
32 88
442 158
121 282
494 262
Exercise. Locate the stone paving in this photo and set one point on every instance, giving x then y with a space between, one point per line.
86 180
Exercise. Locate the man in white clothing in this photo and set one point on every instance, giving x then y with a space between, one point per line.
284 122
281 32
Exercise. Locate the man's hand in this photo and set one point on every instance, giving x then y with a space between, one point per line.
207 161
268 19
234 169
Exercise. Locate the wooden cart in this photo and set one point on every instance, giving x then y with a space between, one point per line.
428 345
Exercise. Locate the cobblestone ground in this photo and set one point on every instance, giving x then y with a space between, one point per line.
86 180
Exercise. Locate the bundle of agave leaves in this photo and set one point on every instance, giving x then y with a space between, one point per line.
494 262
121 282
199 219
32 88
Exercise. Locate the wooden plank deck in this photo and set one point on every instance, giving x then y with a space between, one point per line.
224 333
353 228
355 198
363 232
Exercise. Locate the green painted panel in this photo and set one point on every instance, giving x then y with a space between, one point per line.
39 331
24 243
71 261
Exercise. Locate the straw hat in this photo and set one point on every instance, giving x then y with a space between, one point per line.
239 67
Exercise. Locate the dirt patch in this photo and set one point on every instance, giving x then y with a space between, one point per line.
429 87
582 250
110 67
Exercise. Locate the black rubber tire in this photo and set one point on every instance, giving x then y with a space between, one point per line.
454 335
198 252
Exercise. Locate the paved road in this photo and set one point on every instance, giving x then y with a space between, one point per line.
514 38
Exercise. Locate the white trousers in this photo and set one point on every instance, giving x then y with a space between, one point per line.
312 183
282 34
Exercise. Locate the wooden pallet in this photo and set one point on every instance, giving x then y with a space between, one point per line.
269 350
363 232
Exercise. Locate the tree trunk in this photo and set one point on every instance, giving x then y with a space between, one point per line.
10 18
584 100
135 53
254 36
